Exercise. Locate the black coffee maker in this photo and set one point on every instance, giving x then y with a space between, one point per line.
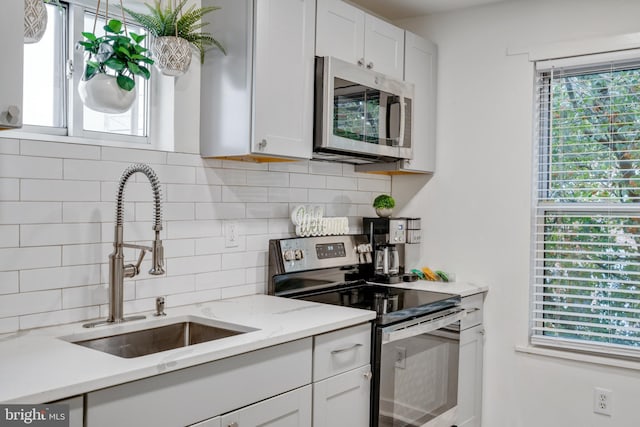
388 237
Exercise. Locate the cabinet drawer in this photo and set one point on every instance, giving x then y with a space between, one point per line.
340 351
473 304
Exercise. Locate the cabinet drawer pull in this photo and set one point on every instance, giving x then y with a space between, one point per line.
342 350
233 424
473 310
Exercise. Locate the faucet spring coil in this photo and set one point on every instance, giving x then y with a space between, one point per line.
155 186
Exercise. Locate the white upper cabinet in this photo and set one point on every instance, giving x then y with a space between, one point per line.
348 33
257 101
12 35
420 69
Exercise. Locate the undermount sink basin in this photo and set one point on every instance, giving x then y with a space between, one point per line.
159 338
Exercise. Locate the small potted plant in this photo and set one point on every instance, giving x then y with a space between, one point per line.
175 30
108 83
384 205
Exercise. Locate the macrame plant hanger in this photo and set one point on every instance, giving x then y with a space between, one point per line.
106 16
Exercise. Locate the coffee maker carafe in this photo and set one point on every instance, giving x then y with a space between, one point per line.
387 261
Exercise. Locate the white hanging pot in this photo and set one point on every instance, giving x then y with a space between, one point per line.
35 20
172 55
101 93
384 212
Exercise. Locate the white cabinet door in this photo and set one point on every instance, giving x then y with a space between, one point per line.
348 33
211 422
343 400
12 35
470 377
420 63
284 70
76 416
292 409
340 31
383 47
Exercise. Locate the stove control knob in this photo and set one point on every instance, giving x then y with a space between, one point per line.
299 254
288 255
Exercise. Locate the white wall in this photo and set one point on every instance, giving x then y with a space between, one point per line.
57 211
476 208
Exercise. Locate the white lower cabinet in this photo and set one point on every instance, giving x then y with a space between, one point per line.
202 392
76 416
292 409
343 400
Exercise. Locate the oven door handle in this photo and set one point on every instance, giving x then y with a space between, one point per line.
416 327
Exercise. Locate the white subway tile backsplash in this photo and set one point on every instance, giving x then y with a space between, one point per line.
59 277
30 302
95 253
54 190
57 212
220 279
131 156
84 296
267 210
9 188
162 286
194 229
238 194
9 236
58 317
220 211
59 234
25 258
30 212
267 179
30 167
59 150
193 193
9 282
9 146
299 180
193 265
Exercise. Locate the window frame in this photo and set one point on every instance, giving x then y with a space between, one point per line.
540 206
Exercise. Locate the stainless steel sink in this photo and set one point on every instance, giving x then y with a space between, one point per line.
157 339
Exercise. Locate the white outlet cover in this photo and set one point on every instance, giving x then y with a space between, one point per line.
602 401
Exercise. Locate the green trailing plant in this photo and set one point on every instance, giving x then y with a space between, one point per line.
116 53
384 201
172 20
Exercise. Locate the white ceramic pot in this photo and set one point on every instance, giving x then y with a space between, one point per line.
172 55
101 93
35 20
384 212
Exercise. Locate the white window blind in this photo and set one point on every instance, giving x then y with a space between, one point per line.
586 272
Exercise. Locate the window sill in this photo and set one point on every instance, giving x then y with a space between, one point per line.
578 357
106 141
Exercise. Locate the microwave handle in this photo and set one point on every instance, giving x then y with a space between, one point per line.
402 122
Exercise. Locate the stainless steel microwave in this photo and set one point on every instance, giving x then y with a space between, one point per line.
361 116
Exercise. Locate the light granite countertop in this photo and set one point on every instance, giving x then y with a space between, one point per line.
42 365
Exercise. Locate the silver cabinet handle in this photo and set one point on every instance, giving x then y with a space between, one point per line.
361 62
262 144
233 424
368 375
473 310
342 350
370 65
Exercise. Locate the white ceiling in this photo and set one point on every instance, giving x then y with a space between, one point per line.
398 9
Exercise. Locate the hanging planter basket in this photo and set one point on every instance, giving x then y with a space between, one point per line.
35 20
101 93
172 55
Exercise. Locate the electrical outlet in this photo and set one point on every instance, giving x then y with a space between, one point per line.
602 401
231 234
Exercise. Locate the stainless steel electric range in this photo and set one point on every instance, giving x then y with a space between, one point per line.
415 338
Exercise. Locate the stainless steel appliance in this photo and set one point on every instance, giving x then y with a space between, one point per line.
415 345
361 116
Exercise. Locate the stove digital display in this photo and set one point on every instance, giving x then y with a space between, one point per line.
330 250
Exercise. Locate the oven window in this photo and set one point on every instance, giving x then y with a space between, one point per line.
356 111
418 378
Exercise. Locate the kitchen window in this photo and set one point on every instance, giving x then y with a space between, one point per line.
53 68
586 232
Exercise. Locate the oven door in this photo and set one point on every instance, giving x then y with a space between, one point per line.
418 370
